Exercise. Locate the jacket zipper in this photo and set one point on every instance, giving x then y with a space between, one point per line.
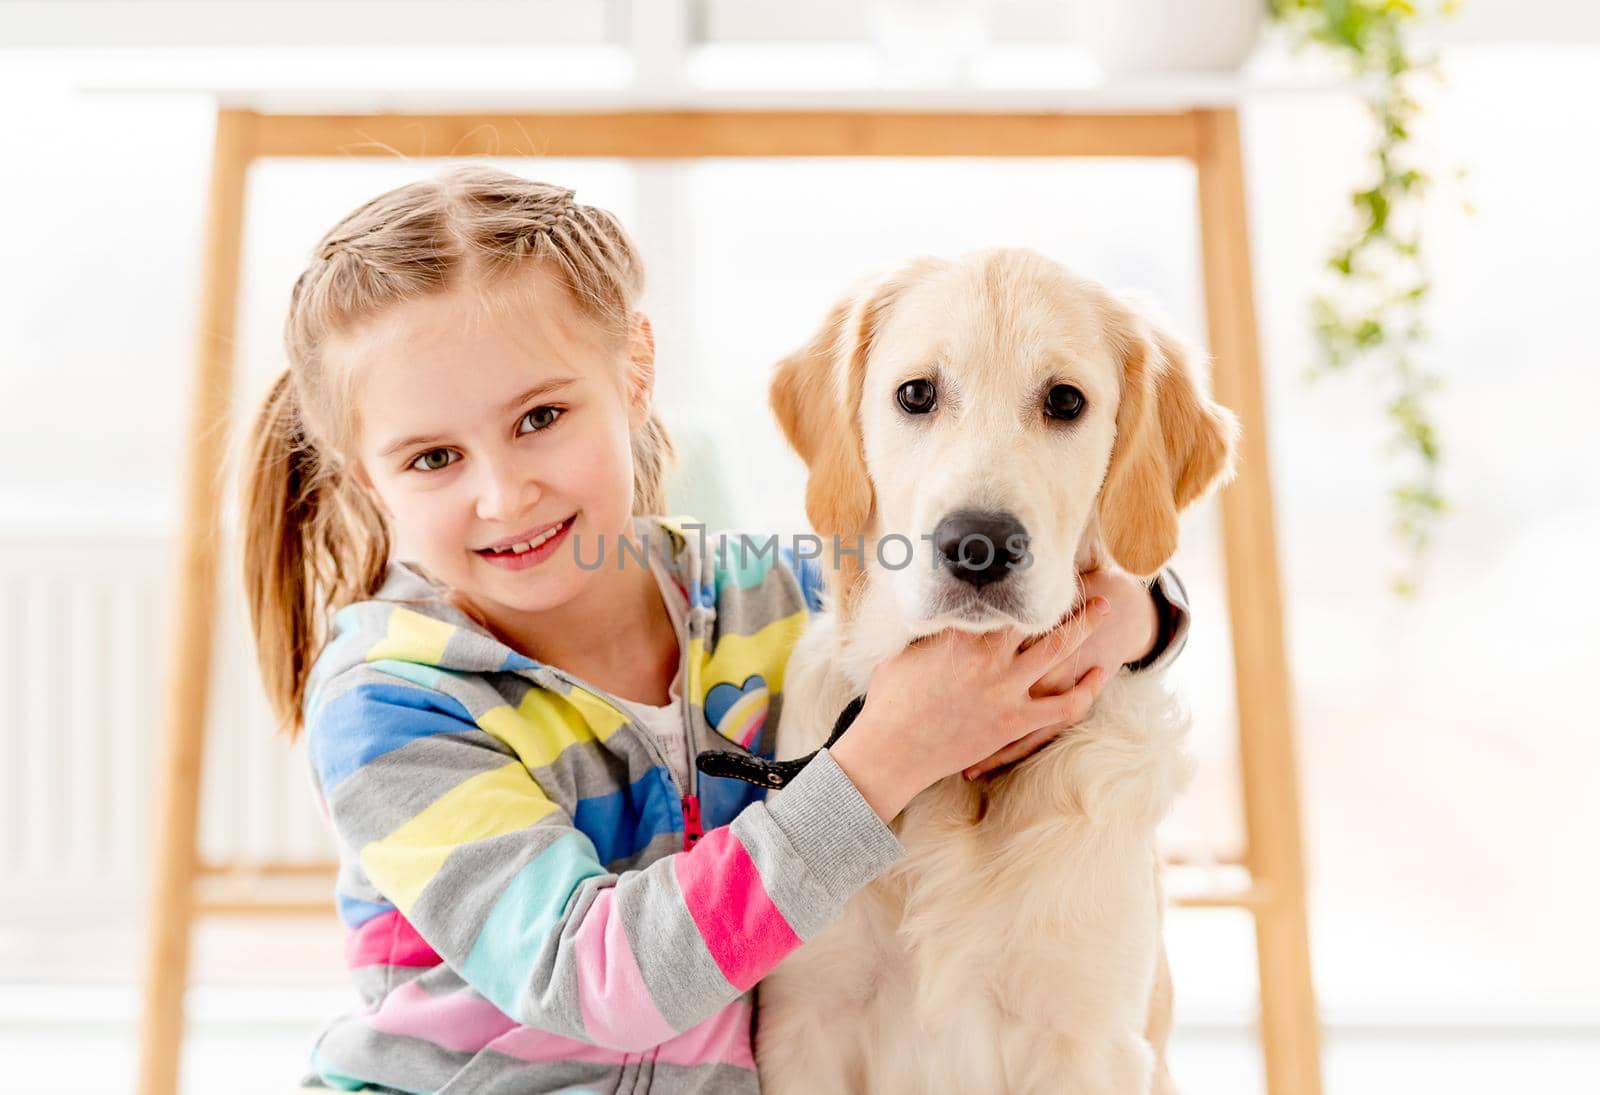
688 801
692 832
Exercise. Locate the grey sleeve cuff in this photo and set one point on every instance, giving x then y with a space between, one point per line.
843 841
1172 622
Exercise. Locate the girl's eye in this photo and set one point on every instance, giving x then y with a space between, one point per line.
1064 401
434 460
540 418
916 396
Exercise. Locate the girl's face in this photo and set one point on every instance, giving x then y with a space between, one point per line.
486 429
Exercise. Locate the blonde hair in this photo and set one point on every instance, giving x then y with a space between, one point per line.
313 540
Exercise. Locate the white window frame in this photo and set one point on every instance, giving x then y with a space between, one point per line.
268 23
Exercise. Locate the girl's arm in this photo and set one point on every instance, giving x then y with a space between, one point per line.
447 824
1147 628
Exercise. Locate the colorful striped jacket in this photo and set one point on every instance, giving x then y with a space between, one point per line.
532 907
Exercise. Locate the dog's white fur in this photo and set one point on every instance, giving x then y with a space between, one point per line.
1016 947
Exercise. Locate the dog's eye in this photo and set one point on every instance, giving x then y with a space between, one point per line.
916 396
1064 401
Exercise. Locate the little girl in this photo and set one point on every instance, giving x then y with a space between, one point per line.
542 893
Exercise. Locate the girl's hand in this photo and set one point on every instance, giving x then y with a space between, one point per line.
948 700
1125 636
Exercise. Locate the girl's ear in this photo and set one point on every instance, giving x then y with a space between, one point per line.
1173 444
641 369
816 396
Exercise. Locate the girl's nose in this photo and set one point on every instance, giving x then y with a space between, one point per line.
504 494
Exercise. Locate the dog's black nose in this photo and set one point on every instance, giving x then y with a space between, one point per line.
980 547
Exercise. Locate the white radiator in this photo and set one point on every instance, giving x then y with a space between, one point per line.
83 645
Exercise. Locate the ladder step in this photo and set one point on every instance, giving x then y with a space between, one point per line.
272 888
237 893
1214 886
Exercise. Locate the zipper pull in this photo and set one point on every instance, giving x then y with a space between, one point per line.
692 832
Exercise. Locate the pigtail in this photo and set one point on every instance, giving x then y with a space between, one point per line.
311 540
653 457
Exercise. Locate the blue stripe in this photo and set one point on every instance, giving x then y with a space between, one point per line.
704 595
722 800
523 919
745 559
623 822
515 661
373 719
810 574
416 672
333 654
355 912
338 1081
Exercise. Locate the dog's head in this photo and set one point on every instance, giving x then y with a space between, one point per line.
990 422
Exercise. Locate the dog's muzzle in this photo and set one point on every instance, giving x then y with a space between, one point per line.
980 547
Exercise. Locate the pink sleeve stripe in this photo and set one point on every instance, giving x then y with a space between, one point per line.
388 940
723 1039
616 1006
744 931
534 1045
461 1021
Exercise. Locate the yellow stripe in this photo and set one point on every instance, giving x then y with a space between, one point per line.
602 718
539 728
412 637
492 804
738 656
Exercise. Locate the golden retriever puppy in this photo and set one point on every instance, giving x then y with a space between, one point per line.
1017 946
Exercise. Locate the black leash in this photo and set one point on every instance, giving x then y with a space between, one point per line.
772 773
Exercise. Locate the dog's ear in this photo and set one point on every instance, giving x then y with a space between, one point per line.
816 396
1173 444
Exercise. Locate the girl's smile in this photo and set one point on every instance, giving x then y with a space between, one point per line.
529 548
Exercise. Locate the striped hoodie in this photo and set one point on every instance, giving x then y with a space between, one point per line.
534 905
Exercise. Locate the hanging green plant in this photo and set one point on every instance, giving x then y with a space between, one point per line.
1371 314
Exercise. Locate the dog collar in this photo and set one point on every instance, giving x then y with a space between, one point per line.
772 773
